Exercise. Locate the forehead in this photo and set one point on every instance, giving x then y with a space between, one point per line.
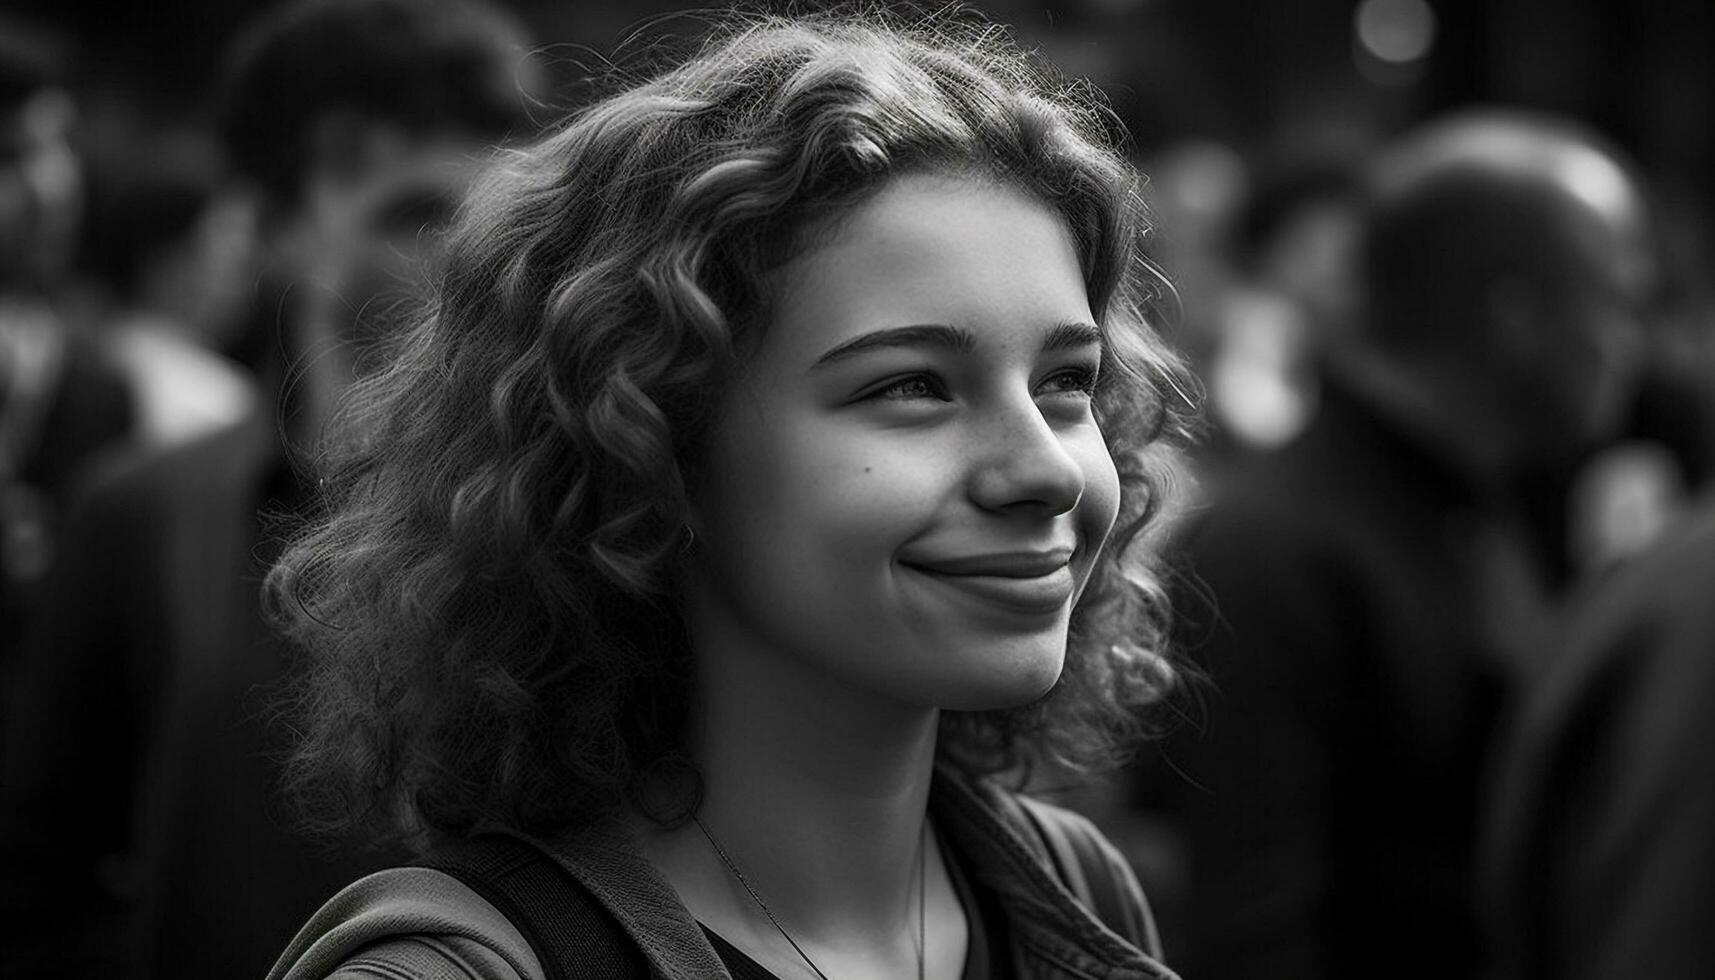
928 249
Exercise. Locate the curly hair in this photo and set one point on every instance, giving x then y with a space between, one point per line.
490 596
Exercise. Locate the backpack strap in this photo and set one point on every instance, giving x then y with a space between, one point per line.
572 935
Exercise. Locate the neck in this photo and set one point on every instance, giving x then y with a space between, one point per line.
807 782
817 788
818 792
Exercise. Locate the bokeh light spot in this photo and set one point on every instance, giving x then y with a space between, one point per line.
1395 31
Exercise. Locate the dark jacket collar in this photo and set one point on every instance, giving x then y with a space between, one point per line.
1005 850
988 826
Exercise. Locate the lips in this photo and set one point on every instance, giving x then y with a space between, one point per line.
1030 582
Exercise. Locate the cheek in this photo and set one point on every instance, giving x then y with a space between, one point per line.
852 497
811 502
1099 505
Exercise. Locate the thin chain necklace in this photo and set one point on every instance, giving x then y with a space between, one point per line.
922 859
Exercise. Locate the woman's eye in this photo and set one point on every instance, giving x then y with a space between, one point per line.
912 386
1078 381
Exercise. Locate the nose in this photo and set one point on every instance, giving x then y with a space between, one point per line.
1023 465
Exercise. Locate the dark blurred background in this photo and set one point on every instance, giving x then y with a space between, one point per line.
1251 75
1255 76
1177 68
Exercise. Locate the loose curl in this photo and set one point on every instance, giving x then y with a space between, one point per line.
489 598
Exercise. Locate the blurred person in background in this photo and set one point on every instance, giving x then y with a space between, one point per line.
1375 590
138 776
60 401
1291 299
1600 852
172 243
1599 859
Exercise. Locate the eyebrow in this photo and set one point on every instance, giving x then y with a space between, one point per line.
1071 335
1064 336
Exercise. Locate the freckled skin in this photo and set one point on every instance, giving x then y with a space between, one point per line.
822 482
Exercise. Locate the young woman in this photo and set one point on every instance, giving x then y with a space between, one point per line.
770 478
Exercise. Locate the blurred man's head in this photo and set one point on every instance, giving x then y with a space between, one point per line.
361 121
1509 258
41 186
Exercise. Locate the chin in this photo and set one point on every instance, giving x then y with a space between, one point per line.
1016 679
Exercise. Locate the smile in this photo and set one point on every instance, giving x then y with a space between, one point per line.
1032 583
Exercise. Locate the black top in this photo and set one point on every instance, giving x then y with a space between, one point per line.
1358 636
986 955
1600 860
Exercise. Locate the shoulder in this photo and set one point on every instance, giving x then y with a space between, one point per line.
408 922
236 450
1637 648
188 475
1602 799
1675 577
1092 868
1651 615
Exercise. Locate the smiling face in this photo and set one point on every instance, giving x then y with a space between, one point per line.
906 489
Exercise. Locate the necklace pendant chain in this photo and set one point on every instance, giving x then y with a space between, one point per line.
922 875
